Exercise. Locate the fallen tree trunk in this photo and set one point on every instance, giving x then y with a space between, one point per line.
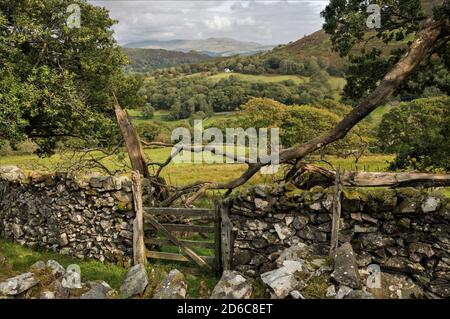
310 175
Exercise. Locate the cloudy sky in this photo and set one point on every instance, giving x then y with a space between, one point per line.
263 21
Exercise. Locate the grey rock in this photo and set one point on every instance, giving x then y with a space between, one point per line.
421 248
282 280
99 290
299 252
232 285
345 267
283 231
343 291
173 287
11 174
296 294
331 292
359 294
55 268
261 204
431 204
135 282
396 286
47 295
17 285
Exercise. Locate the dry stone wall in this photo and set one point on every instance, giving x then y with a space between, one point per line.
86 218
404 231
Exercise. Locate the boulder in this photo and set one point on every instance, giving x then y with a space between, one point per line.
17 285
283 280
135 282
345 267
11 174
173 287
55 268
342 292
99 290
232 285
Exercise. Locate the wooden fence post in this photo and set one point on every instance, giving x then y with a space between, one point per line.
218 241
139 254
336 214
226 227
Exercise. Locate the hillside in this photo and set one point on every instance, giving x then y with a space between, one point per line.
212 46
147 60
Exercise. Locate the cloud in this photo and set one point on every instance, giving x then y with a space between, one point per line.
264 21
219 23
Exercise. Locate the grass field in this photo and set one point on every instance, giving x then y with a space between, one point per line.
259 78
19 259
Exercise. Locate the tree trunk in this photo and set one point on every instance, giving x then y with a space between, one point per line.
132 142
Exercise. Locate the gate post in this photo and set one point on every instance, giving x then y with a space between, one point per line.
226 228
139 255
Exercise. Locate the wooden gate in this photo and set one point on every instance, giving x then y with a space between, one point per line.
167 235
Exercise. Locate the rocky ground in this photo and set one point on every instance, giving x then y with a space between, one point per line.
300 274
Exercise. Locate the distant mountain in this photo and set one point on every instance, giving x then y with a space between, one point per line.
221 47
147 60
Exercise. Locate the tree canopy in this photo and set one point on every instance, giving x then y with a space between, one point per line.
57 82
346 21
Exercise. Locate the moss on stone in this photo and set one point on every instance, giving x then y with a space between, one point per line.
124 206
317 287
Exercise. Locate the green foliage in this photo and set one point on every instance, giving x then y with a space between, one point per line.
298 123
186 96
345 21
56 83
148 112
148 130
418 133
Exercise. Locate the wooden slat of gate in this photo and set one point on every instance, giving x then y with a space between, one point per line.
162 228
194 212
189 243
174 257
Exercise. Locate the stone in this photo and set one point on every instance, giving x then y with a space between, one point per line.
47 295
403 265
331 292
55 268
360 229
63 240
135 282
300 222
232 285
396 286
299 252
359 294
343 291
421 248
38 266
99 290
283 231
261 204
60 291
71 280
11 174
281 280
296 294
431 204
345 267
17 285
173 287
376 241
408 206
17 231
